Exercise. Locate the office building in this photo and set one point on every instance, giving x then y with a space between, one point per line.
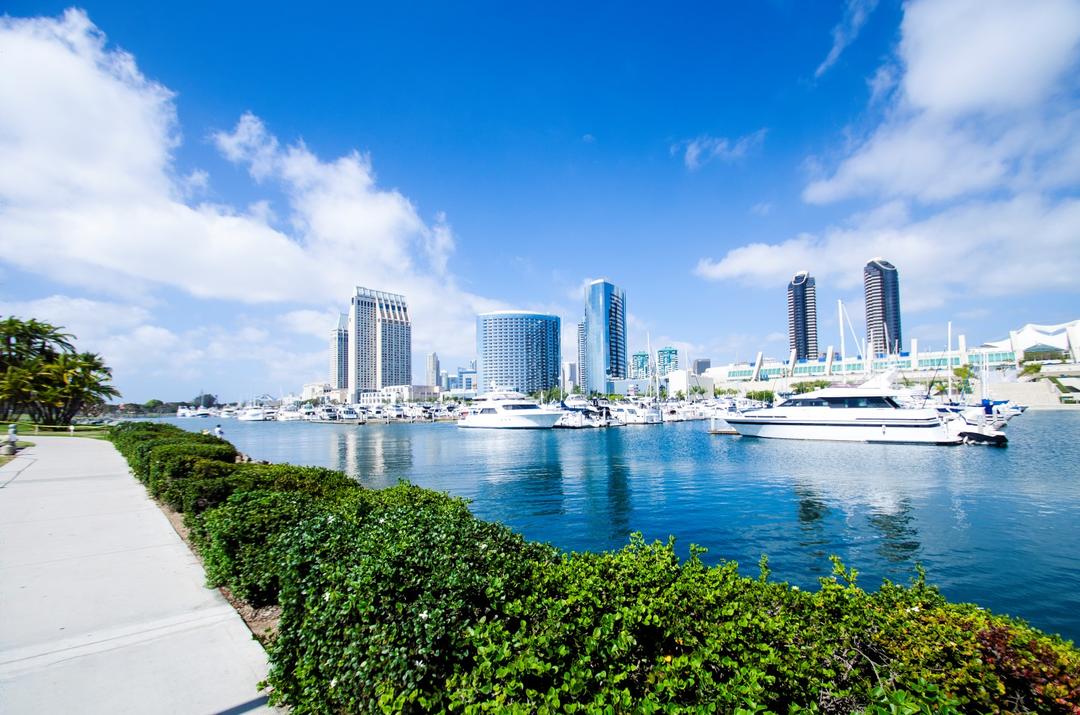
569 376
639 365
881 286
700 365
433 370
667 360
582 363
517 350
802 316
339 354
380 341
605 336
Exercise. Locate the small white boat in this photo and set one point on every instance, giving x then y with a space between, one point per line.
509 410
290 413
636 415
185 412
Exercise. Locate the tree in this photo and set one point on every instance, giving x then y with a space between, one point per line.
760 395
25 343
205 400
800 388
153 404
680 395
43 375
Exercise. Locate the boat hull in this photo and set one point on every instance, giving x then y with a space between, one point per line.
536 420
922 432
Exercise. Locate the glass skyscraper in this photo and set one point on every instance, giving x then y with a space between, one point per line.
881 284
517 350
605 337
802 316
639 366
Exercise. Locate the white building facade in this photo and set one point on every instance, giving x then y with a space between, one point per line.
380 341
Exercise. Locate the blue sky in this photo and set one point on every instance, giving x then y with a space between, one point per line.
193 189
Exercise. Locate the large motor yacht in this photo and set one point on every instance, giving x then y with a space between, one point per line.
509 410
847 414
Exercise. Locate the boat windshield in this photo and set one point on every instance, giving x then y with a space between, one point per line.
523 406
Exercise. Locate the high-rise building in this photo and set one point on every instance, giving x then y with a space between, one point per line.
639 365
881 285
667 360
380 341
802 316
518 350
701 365
569 376
582 361
444 380
433 369
339 354
605 336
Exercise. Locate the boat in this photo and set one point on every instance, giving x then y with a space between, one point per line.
509 410
251 414
636 415
185 412
289 413
847 414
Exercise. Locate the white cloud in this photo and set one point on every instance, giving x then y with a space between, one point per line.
762 208
992 248
984 101
700 151
313 323
89 320
90 196
856 13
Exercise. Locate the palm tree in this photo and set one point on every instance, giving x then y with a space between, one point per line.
68 384
22 342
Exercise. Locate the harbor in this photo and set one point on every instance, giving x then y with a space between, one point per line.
991 526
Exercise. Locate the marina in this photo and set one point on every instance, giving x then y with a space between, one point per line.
994 527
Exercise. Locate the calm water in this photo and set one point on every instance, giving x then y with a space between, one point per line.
999 527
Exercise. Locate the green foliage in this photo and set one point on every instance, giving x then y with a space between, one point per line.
1031 368
761 395
377 613
172 462
801 388
211 483
43 375
724 391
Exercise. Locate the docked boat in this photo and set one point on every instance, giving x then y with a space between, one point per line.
636 414
847 414
289 413
251 414
509 410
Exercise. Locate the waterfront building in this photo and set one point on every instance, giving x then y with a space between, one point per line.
802 316
466 379
700 365
667 360
433 369
444 380
1043 342
517 350
605 336
881 286
583 364
339 354
639 365
569 378
380 341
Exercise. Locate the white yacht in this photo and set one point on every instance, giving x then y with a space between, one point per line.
509 410
289 413
636 414
253 413
847 414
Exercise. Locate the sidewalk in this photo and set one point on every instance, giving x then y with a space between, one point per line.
103 608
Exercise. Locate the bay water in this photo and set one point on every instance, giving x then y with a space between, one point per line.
997 527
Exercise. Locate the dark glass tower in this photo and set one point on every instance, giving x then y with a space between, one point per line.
881 284
802 316
605 336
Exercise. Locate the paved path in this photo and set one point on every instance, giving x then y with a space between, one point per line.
102 606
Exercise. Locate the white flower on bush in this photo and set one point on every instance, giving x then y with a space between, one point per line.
423 615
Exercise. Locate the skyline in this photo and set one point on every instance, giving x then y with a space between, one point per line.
196 217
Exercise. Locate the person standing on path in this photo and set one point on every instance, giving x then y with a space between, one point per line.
218 432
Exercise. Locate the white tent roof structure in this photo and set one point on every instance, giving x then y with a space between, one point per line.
1064 337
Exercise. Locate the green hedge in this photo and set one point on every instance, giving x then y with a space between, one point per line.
400 600
171 465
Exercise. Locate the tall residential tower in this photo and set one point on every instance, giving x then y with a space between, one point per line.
433 369
802 316
380 341
339 354
881 284
605 336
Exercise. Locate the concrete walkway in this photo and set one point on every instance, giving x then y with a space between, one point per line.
103 608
